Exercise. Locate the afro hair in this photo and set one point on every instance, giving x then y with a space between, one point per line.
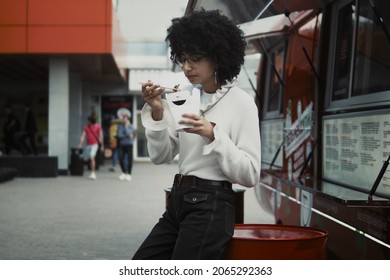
210 34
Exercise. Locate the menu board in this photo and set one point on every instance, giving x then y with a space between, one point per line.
355 148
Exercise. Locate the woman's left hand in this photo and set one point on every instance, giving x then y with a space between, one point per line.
201 126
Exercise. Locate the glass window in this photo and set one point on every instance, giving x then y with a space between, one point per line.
142 149
343 53
248 75
140 102
372 55
362 60
275 69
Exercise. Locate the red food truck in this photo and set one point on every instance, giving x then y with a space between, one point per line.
322 84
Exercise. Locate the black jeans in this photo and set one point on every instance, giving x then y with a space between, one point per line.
198 224
126 150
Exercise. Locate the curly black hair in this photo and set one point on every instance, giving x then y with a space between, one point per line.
210 34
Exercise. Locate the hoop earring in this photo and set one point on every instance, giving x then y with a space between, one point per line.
215 77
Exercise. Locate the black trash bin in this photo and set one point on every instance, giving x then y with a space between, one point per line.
77 162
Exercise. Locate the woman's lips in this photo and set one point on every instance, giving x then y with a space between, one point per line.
191 77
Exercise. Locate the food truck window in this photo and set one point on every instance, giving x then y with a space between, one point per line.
372 55
356 125
274 81
360 64
343 54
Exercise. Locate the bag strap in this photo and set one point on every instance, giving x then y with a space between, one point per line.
94 134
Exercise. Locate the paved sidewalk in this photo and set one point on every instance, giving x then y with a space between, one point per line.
72 217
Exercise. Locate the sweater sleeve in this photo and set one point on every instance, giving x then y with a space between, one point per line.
163 142
239 155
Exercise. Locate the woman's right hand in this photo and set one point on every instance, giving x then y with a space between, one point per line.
151 94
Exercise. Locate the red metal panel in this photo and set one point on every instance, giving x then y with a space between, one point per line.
13 12
109 41
109 19
276 242
109 11
69 12
63 39
56 26
12 39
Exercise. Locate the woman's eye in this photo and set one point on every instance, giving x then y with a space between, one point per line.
195 59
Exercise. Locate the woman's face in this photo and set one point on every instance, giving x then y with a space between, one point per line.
199 70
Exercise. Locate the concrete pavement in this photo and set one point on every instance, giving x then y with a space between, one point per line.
72 217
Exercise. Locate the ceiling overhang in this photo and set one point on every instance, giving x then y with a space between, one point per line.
97 68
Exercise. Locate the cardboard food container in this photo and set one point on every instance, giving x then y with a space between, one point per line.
182 102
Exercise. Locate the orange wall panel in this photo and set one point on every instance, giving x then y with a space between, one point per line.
109 12
109 41
13 11
56 26
66 39
12 39
67 12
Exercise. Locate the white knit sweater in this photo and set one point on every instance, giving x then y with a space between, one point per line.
235 153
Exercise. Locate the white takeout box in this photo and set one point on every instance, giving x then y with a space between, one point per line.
182 102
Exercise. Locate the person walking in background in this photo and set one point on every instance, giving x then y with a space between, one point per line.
30 130
126 135
11 127
94 134
220 147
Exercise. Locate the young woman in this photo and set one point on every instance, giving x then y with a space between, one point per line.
222 146
94 134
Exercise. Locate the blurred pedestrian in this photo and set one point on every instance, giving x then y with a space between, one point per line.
11 127
113 142
221 146
94 134
29 131
126 135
